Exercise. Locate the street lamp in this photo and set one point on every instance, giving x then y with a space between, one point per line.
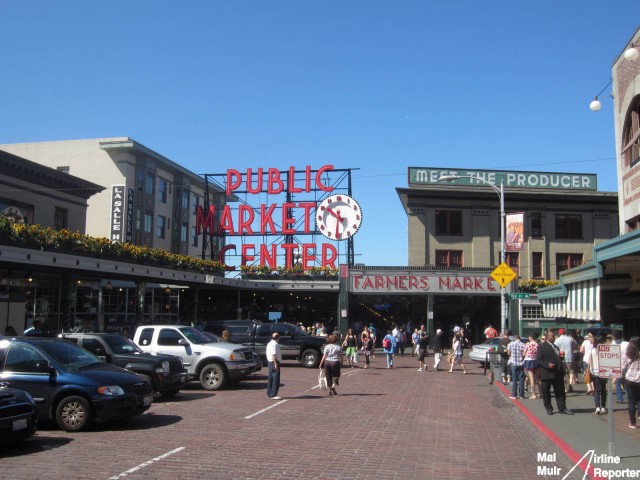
500 192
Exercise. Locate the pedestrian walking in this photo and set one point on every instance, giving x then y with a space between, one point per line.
423 346
567 346
367 348
599 383
331 361
274 359
457 353
551 374
415 336
350 345
515 350
585 351
437 349
389 346
631 376
531 365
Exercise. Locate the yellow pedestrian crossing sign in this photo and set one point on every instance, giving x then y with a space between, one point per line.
503 274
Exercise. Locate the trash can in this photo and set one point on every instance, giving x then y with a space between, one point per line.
494 362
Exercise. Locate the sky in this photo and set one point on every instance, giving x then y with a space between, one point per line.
377 86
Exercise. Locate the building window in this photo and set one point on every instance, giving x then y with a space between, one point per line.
160 226
150 183
163 188
536 224
194 237
148 223
184 200
513 260
184 232
536 265
448 258
532 312
565 261
631 136
448 222
195 203
568 226
60 218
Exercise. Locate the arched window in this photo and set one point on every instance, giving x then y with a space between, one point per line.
631 135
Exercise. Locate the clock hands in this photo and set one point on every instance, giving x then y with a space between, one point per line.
339 220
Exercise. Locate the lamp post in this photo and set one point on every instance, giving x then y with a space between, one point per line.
500 192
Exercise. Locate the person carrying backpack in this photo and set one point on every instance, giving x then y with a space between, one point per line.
389 345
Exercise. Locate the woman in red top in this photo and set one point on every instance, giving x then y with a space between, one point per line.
531 366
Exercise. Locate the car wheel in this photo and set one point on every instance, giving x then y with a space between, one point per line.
169 393
73 413
311 358
213 377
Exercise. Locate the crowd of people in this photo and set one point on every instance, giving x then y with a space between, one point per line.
556 361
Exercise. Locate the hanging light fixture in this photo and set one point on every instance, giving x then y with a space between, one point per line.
632 53
596 105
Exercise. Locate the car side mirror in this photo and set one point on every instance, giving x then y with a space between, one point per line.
182 341
45 367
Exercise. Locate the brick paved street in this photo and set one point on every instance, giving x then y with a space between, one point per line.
384 424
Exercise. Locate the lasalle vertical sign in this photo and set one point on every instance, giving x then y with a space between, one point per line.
119 223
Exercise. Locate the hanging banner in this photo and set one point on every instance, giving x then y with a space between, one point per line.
515 232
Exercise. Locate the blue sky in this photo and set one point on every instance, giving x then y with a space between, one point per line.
374 85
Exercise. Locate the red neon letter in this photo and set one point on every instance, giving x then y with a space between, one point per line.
226 222
319 184
275 184
288 255
224 250
245 253
308 255
292 180
288 219
265 218
205 225
329 255
266 257
258 187
234 180
244 223
308 208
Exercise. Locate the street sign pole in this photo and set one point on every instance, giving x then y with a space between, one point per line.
610 403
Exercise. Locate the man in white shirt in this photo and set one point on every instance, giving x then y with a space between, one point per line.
274 359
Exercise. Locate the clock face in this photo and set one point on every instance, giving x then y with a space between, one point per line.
338 217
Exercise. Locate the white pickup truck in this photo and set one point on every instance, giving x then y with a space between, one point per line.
215 364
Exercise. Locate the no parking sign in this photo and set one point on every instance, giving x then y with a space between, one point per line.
609 360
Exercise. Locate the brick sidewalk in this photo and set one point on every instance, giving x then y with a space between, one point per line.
384 424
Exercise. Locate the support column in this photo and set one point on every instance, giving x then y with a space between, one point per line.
429 325
141 289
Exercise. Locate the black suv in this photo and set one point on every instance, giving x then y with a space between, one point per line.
69 384
294 342
165 373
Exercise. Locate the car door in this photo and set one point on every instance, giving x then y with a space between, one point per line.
171 341
24 368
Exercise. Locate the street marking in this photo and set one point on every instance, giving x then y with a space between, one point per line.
259 412
146 464
265 409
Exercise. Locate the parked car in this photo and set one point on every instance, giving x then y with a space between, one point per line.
478 353
18 415
295 343
69 384
165 373
214 364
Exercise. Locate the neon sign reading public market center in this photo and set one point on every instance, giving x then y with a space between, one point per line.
287 218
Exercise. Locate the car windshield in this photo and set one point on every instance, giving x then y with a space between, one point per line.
69 356
195 336
120 344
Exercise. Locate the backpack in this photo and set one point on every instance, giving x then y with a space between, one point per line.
386 343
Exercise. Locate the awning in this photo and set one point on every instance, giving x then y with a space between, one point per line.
583 300
580 302
554 307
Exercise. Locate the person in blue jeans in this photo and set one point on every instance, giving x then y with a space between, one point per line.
515 350
274 359
391 347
